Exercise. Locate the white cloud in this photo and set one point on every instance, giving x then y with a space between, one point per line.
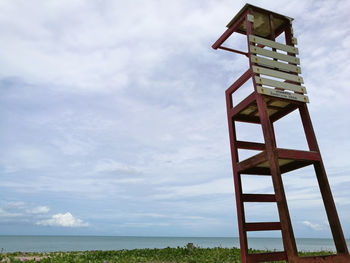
73 146
219 186
123 102
144 224
316 227
63 220
108 165
26 157
39 210
17 211
6 215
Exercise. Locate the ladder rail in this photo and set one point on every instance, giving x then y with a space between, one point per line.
237 179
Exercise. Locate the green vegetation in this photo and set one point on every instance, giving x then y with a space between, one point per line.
187 254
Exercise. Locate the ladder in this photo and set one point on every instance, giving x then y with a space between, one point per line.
272 99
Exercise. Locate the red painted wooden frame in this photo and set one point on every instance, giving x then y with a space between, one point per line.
271 154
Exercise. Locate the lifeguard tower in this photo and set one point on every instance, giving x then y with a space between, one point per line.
274 69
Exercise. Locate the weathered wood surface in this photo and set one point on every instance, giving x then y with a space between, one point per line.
282 94
273 54
273 44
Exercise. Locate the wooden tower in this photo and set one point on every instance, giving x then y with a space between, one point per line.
278 90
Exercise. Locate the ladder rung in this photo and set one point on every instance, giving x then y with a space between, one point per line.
258 198
243 104
269 256
325 258
252 162
298 155
263 226
250 145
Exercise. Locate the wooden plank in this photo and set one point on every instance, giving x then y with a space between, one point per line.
249 110
298 155
251 162
268 256
294 165
250 18
239 82
243 105
258 198
273 44
279 84
288 109
282 94
326 193
339 258
294 41
331 210
269 136
250 145
277 74
262 226
260 171
229 31
249 119
275 64
273 54
233 50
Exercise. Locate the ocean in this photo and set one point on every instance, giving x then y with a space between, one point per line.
84 243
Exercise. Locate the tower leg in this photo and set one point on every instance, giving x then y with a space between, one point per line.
237 181
323 183
286 224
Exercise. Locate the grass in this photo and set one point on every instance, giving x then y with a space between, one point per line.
165 255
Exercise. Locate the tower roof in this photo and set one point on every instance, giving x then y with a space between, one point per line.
261 20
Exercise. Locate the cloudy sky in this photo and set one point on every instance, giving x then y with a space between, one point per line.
113 120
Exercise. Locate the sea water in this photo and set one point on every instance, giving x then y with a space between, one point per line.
84 243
